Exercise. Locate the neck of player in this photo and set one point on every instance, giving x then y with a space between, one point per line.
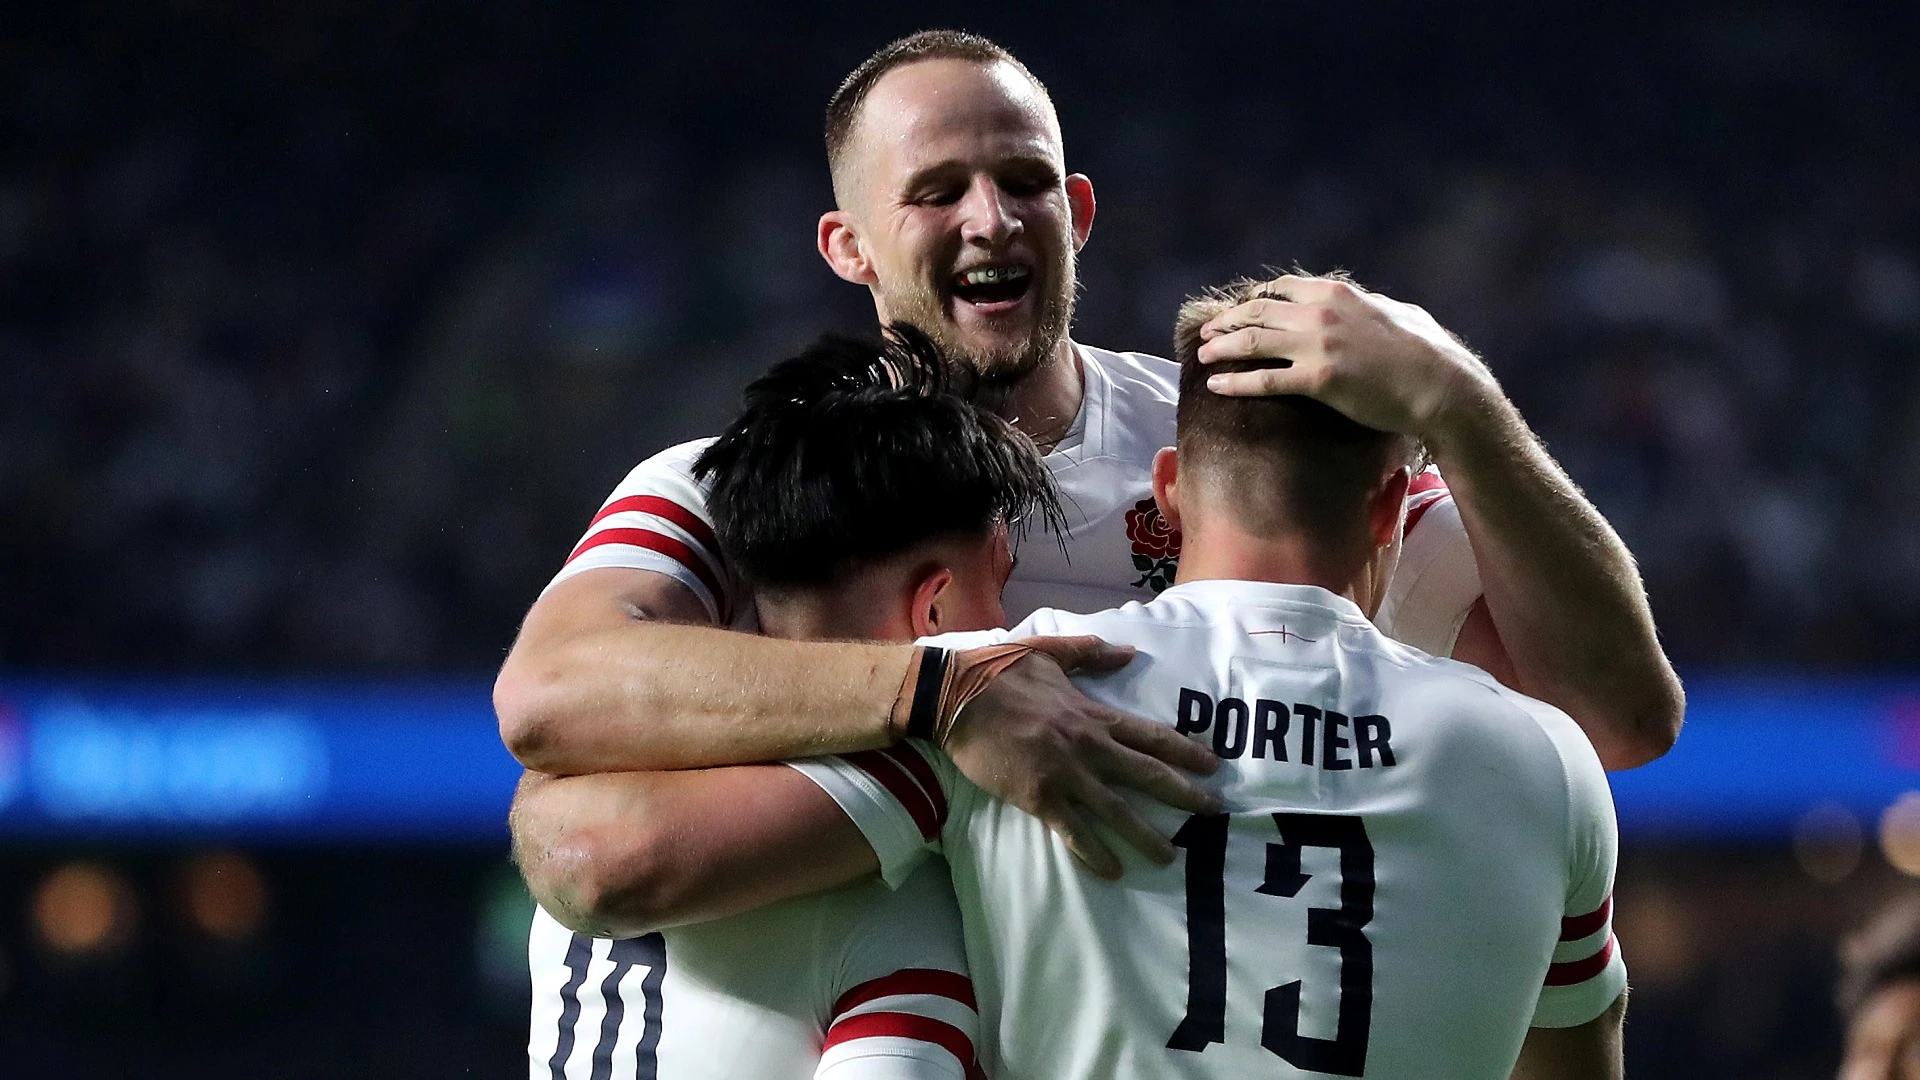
843 614
1045 403
1217 547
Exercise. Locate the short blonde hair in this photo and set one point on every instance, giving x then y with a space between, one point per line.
1292 462
843 109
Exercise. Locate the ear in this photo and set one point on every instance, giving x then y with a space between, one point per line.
840 245
1166 484
928 594
1080 208
1389 508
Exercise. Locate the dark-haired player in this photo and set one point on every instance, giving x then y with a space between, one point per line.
862 499
1410 874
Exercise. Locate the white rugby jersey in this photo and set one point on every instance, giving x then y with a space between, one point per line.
860 983
1417 863
1117 547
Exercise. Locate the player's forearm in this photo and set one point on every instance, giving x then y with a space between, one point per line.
1562 588
622 854
654 695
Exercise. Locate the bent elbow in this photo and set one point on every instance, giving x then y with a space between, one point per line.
560 714
1647 733
521 705
594 889
1664 720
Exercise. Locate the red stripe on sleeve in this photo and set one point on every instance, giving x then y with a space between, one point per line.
903 1026
661 508
1579 971
1579 926
895 779
910 759
1428 480
946 984
665 545
1414 515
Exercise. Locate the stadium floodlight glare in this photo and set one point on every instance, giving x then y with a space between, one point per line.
83 910
1828 841
1900 834
223 895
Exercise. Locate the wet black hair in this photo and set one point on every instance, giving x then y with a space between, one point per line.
858 449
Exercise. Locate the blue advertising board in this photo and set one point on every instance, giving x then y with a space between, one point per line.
253 759
420 761
1757 753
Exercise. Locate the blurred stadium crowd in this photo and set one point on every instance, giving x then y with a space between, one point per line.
324 333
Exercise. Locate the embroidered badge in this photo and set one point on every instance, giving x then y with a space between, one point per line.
1156 546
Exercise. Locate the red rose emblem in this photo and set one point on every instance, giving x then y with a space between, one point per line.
1156 546
1150 534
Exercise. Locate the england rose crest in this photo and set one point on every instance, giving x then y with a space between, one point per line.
1156 546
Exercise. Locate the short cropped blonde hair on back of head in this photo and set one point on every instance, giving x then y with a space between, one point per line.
1293 463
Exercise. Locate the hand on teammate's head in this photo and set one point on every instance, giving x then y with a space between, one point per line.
1382 362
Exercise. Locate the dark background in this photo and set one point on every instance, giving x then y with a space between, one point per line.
324 328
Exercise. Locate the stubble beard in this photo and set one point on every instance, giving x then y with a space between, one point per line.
1000 368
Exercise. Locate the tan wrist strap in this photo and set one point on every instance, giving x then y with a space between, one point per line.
940 681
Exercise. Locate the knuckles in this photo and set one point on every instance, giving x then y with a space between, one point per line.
1080 740
1044 789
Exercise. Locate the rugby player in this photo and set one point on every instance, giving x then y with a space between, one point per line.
863 500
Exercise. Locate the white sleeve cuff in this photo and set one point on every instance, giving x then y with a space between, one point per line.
889 829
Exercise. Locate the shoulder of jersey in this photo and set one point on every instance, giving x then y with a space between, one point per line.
657 519
1424 492
680 456
1483 690
1047 622
1149 374
973 639
669 474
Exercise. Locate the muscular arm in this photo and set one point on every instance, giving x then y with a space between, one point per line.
622 854
613 672
1591 1051
1562 592
1561 589
613 669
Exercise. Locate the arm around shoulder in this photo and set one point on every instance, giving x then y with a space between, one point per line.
622 854
620 668
583 639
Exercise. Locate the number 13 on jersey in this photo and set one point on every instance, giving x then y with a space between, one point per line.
1204 836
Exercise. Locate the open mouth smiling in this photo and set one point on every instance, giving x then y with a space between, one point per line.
993 286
